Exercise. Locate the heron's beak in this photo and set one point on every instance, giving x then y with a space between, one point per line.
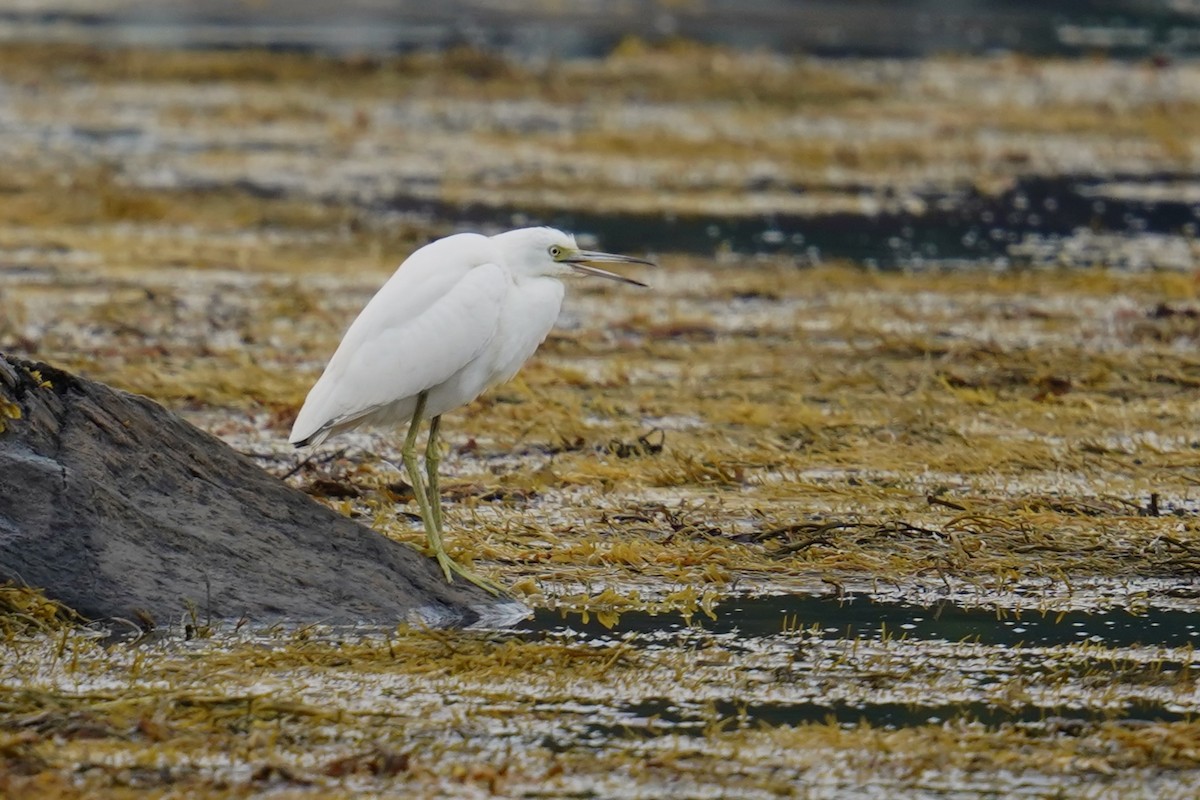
582 261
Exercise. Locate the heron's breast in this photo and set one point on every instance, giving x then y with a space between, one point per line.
529 313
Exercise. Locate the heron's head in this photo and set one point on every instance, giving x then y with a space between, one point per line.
550 252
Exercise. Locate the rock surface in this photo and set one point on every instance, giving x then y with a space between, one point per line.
118 508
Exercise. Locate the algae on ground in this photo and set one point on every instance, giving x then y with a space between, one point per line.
201 227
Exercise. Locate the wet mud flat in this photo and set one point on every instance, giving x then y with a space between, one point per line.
869 517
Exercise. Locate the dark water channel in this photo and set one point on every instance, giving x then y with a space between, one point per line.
961 227
856 616
1095 648
915 28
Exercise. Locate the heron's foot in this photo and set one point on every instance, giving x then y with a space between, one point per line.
451 568
491 587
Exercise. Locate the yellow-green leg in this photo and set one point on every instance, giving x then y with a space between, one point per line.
429 499
432 529
433 459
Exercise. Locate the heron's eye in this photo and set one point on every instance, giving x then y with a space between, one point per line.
555 251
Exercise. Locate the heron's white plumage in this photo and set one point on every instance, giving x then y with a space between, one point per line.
458 316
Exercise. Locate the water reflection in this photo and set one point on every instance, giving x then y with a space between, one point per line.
856 616
894 715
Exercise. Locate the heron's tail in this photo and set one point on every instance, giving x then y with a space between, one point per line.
313 439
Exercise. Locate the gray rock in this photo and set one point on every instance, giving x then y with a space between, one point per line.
118 508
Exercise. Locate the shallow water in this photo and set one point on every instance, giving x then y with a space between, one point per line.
1035 221
982 647
1060 27
858 616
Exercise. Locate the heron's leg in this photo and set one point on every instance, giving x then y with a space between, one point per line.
432 526
433 459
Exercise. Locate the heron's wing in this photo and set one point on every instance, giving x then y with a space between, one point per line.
387 357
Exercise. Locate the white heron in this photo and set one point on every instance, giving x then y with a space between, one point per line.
460 315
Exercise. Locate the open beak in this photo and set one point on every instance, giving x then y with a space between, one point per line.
582 261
